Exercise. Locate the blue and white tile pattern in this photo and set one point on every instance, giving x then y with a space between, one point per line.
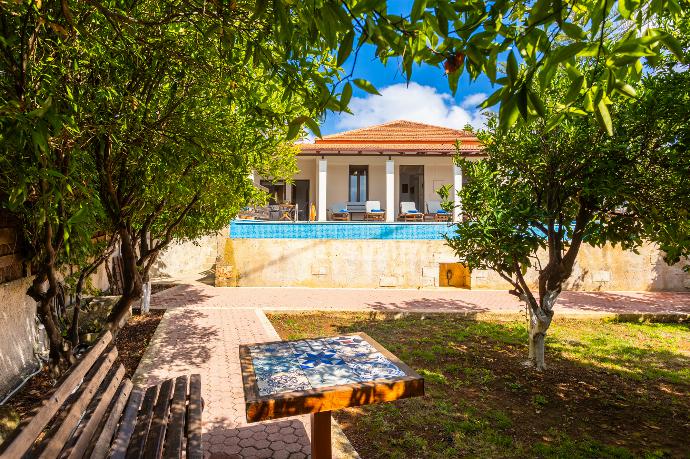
314 363
247 229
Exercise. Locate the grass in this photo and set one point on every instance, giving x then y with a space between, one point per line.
611 389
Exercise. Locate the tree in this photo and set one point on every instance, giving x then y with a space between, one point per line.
546 190
141 121
42 166
492 38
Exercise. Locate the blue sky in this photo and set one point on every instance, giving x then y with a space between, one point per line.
426 99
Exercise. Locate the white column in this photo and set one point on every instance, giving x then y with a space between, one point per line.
390 190
288 192
321 201
457 186
252 177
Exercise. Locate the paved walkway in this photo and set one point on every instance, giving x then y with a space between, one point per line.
204 325
437 300
191 340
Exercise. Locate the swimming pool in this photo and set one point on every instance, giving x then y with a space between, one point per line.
252 229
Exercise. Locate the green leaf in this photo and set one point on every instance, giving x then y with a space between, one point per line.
674 46
627 7
293 130
259 9
522 101
453 79
564 53
345 48
625 88
536 103
345 96
418 8
573 31
366 85
574 91
604 117
512 68
314 126
554 121
508 113
295 125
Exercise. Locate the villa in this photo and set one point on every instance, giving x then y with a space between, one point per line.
391 163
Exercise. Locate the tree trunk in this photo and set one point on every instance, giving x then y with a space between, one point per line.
540 317
146 298
59 351
132 284
537 338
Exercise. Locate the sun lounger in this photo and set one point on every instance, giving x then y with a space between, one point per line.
373 211
409 212
339 212
435 212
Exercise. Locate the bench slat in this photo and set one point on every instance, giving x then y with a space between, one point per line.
141 430
90 427
159 422
86 415
129 419
75 411
194 449
176 428
102 444
29 431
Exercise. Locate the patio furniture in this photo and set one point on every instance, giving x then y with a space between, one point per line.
287 212
339 212
373 211
274 212
409 212
316 376
94 412
435 212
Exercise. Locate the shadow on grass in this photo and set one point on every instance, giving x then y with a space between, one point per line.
620 396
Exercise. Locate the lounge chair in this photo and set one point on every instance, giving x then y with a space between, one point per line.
435 212
409 212
373 211
339 212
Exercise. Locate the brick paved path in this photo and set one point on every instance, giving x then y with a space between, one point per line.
436 300
205 341
204 325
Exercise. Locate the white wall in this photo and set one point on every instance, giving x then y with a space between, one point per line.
189 257
438 171
19 334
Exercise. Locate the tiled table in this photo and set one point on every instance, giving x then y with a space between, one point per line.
316 376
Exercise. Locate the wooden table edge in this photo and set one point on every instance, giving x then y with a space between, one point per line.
261 408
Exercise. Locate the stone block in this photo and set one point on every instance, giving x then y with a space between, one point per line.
226 276
442 257
429 282
480 274
317 270
601 276
430 271
388 281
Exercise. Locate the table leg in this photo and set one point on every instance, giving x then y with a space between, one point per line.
321 435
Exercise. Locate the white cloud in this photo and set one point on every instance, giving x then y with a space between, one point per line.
413 102
473 100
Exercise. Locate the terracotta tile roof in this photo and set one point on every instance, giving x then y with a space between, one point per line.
396 137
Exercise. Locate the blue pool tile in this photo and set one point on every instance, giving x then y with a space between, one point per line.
247 229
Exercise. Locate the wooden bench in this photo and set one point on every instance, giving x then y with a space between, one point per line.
95 412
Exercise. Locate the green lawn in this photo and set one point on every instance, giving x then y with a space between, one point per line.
611 389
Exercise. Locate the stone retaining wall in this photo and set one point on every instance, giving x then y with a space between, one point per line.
415 264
